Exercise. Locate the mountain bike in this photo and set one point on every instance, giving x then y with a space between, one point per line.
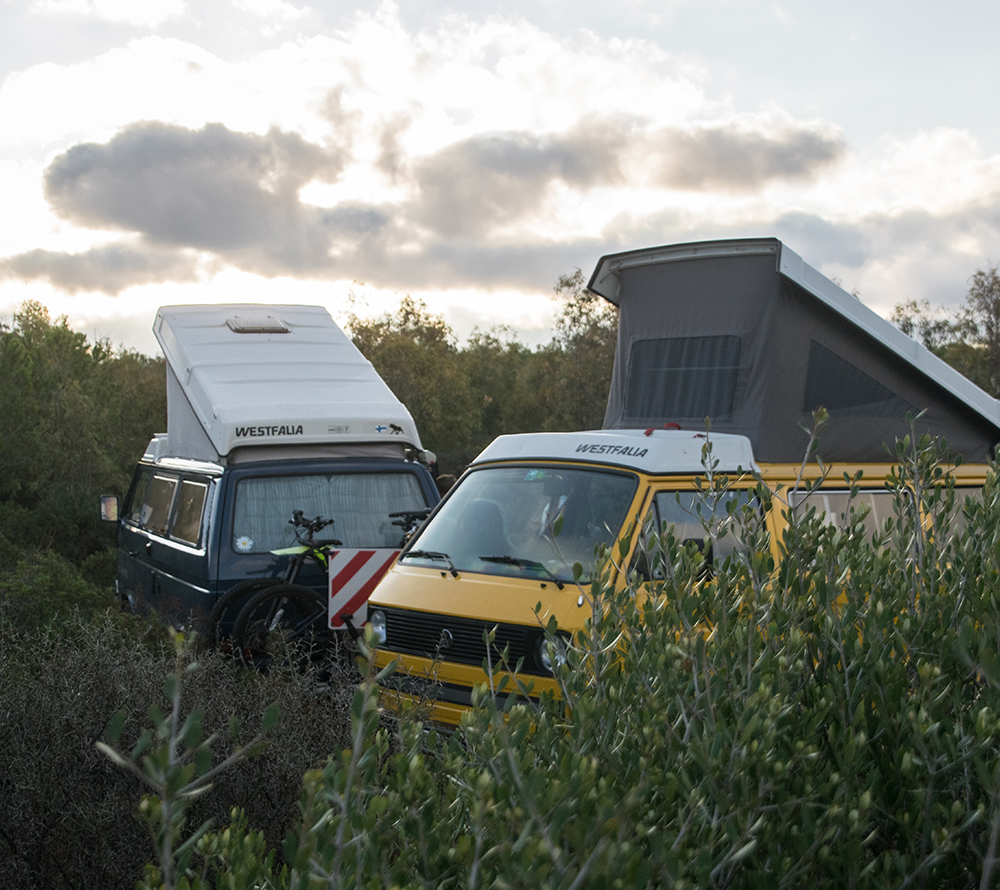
297 612
279 612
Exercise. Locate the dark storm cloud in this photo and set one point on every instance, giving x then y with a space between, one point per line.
474 185
735 159
109 268
214 189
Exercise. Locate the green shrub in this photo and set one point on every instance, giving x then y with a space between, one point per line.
43 586
829 721
101 568
68 816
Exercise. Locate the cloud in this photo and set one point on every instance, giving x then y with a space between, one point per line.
270 9
733 157
820 241
235 194
109 268
473 185
499 179
477 154
473 213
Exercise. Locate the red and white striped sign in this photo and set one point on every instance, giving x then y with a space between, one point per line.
353 575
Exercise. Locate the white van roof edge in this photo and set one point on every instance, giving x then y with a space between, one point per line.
656 452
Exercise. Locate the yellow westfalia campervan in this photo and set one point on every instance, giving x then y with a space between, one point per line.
741 332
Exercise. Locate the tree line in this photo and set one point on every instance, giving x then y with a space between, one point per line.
463 397
77 415
968 339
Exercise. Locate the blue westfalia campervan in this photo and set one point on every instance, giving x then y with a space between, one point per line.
271 409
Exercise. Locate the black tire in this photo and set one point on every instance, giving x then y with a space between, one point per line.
285 623
229 602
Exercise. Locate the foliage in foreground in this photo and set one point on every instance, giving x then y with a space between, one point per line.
830 721
69 817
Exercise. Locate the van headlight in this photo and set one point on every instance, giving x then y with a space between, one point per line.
376 621
550 653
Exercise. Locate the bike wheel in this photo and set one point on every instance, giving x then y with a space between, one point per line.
227 608
285 623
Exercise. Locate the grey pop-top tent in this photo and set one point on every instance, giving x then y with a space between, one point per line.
747 334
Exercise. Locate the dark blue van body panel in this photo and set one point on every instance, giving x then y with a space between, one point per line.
176 564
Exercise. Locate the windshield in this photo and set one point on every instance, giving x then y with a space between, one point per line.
526 521
359 504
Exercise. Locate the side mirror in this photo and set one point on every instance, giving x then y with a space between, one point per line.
109 508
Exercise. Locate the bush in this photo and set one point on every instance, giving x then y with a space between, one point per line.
101 568
828 721
42 587
68 816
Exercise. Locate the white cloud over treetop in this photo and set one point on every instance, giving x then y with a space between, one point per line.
472 154
237 195
109 268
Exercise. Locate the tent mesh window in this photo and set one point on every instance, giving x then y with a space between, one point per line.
682 377
843 388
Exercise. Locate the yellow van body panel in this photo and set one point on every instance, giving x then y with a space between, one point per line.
486 597
499 599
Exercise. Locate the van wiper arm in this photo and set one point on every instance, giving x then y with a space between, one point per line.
431 554
524 564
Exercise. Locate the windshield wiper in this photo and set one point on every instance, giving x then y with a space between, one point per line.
431 554
524 564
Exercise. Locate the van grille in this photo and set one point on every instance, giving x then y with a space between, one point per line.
424 634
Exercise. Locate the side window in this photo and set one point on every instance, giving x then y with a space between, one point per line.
133 510
186 526
680 511
155 514
167 504
835 504
689 511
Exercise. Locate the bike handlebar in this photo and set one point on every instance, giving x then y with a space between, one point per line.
408 517
310 525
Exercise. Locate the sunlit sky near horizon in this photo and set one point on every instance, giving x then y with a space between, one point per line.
343 154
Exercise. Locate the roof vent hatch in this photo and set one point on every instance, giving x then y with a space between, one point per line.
257 324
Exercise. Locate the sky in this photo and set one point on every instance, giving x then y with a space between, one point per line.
157 152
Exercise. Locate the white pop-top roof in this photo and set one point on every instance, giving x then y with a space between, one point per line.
660 452
272 375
